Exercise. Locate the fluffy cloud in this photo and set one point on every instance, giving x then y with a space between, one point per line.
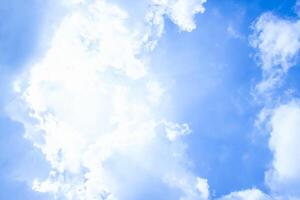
284 176
250 194
92 107
277 41
181 12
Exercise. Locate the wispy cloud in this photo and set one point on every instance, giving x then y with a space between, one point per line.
278 42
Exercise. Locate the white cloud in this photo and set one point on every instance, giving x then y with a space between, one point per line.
174 130
278 43
284 175
90 106
277 40
181 12
250 194
203 188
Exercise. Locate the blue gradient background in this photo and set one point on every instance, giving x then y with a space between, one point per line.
213 75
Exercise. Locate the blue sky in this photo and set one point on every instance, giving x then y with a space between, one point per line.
206 78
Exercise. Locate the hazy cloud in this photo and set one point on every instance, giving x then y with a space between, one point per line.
91 106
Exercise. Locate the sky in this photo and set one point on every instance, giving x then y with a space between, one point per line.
149 99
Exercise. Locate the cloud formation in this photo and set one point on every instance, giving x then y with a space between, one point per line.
181 12
250 194
278 42
284 175
92 106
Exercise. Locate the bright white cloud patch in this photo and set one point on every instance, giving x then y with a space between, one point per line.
278 42
90 106
251 194
284 176
181 12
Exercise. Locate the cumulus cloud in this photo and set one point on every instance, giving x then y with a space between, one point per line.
250 194
284 176
277 41
92 107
